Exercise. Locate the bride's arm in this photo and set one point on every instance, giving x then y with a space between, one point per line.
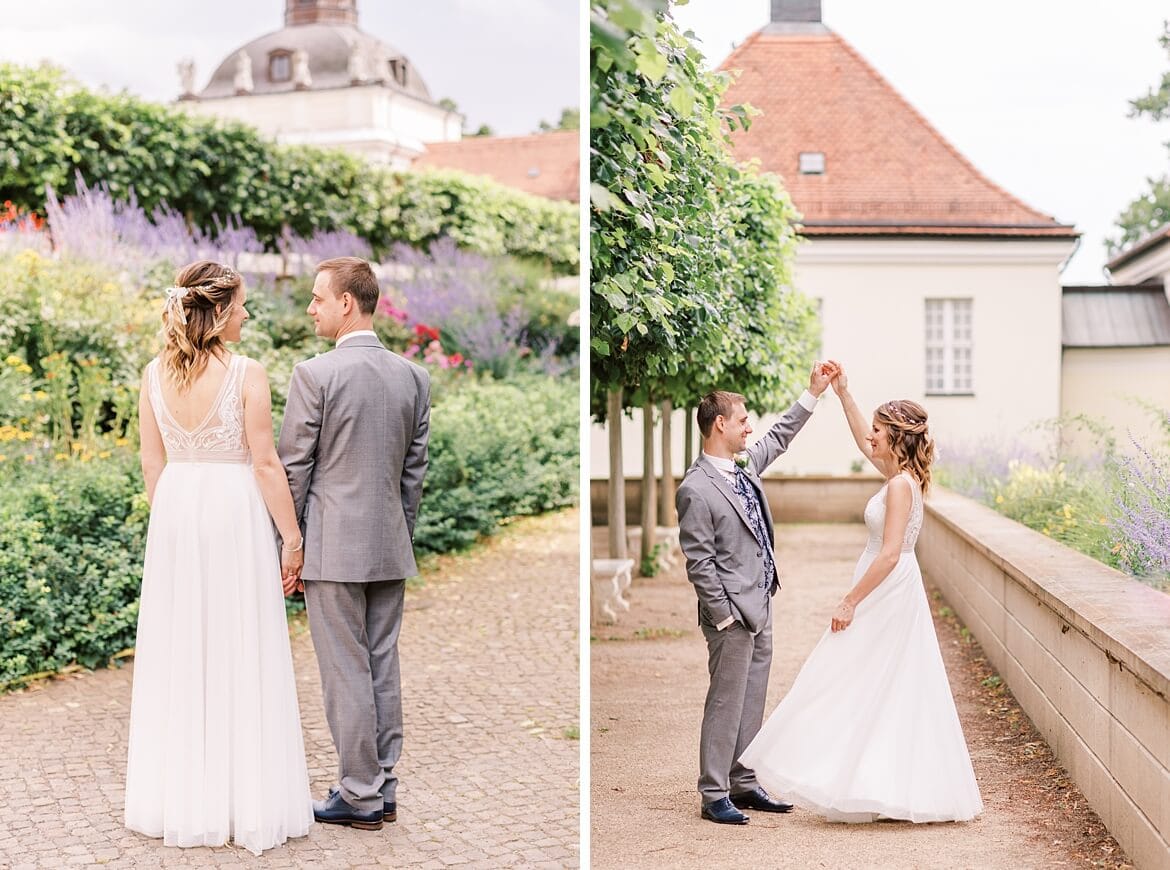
899 501
152 452
270 476
858 425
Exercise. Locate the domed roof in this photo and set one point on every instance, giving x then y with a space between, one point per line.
329 48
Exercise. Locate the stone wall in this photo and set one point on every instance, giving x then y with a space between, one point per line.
1084 649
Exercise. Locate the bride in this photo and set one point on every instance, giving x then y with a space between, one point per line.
869 728
215 751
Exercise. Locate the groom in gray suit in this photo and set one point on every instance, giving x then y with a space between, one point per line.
354 446
725 528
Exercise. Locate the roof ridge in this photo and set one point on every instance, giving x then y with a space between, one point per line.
942 140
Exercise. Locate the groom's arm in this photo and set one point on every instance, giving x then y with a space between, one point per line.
775 442
299 434
414 466
696 535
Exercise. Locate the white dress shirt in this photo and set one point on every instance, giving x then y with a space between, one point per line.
355 334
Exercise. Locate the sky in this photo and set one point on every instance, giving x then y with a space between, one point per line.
1033 92
506 63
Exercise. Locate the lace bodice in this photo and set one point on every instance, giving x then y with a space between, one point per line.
220 437
875 517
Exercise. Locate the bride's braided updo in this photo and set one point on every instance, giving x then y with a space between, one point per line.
910 440
191 324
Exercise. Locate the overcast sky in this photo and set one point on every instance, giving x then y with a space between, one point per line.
507 63
1033 92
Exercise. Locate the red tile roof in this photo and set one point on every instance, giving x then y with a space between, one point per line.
887 170
546 164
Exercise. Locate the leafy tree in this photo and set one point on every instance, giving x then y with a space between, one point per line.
1151 210
690 253
570 120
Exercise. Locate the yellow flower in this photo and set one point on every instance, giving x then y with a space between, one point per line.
40 395
1067 511
26 397
13 360
999 499
2 457
62 456
28 457
104 454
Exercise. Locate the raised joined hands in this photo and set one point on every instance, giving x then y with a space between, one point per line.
822 375
839 381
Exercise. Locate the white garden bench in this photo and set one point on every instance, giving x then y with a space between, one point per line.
611 578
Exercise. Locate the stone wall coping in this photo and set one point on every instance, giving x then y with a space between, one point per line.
1127 619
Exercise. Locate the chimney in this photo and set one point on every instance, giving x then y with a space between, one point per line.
796 16
298 12
796 10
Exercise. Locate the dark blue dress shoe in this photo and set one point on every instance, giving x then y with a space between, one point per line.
758 799
334 810
390 811
722 812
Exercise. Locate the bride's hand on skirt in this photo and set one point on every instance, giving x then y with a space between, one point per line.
842 616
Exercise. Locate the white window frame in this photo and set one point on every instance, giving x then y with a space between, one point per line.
949 346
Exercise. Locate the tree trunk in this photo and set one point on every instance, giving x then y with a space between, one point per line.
666 515
616 515
689 439
649 503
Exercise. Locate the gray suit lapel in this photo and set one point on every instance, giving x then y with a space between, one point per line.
724 486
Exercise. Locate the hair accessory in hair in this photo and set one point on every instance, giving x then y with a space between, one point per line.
174 303
896 412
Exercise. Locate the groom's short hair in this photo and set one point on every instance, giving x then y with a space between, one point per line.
352 275
717 403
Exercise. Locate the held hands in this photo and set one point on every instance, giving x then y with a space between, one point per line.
291 564
842 616
822 375
840 381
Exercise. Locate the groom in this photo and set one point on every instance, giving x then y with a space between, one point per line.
725 528
354 446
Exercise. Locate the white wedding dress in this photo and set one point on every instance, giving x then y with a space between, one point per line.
216 752
869 728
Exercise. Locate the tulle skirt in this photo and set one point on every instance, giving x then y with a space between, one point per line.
869 728
215 747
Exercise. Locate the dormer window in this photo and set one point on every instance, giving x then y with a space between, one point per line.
812 163
280 66
398 71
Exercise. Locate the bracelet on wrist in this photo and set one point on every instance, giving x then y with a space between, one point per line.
300 546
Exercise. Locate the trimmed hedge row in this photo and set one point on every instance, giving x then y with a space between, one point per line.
52 130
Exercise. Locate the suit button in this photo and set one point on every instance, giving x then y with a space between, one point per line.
759 552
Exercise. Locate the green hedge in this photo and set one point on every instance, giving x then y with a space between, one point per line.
73 530
72 536
497 451
51 129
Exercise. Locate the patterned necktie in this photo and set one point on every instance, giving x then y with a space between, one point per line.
751 505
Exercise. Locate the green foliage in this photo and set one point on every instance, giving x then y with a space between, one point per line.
690 253
497 450
51 129
73 343
71 544
1151 210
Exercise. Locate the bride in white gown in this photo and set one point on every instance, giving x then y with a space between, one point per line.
869 728
215 750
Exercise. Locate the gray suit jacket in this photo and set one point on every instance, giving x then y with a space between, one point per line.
724 562
354 446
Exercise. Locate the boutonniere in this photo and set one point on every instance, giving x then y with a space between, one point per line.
741 459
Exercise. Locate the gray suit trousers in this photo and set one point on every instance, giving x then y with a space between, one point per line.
355 635
738 662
